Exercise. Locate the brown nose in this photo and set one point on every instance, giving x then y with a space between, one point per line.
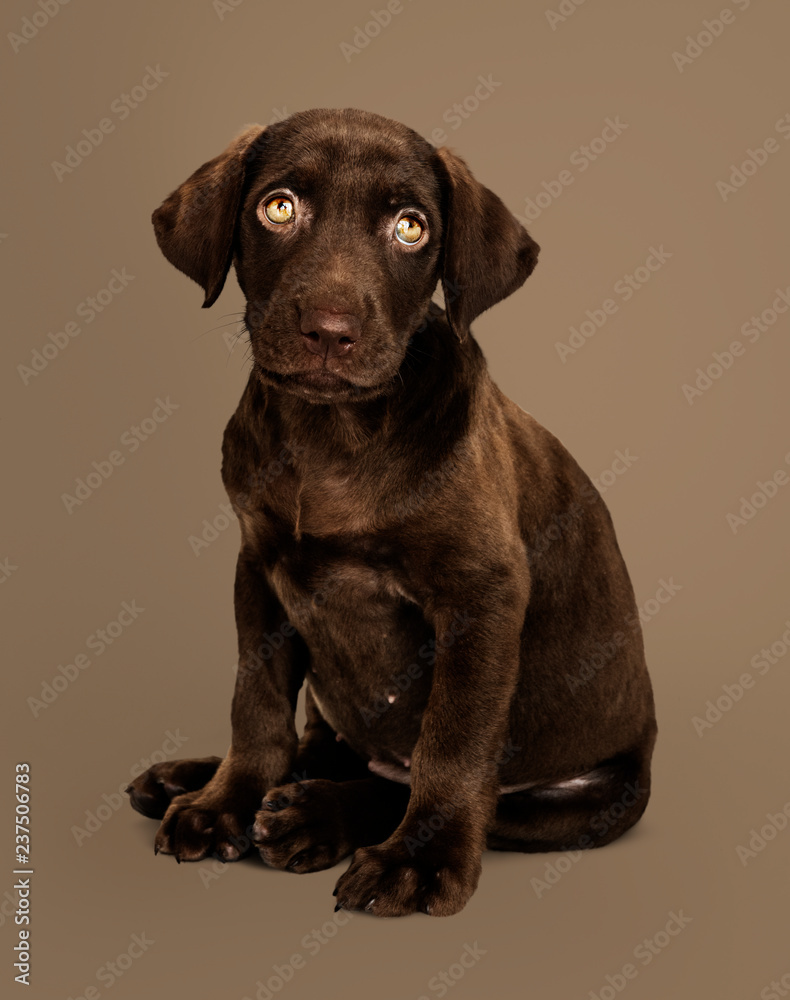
329 334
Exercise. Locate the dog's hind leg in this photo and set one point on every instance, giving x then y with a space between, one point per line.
311 825
320 755
333 806
151 792
322 752
588 811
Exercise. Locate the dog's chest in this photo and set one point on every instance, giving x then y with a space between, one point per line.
371 649
335 559
324 501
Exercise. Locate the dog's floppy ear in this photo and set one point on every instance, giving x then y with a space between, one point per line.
487 253
194 226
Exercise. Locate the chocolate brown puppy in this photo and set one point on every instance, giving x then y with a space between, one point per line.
416 550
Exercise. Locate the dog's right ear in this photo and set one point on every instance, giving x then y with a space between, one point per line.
487 253
195 225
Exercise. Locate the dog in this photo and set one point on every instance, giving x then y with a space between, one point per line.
416 550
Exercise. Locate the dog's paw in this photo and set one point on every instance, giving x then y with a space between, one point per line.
301 827
153 791
393 880
197 825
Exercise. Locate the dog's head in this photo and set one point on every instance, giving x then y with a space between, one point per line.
339 224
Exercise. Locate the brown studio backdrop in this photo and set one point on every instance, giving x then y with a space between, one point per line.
553 82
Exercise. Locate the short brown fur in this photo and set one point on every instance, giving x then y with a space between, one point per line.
416 550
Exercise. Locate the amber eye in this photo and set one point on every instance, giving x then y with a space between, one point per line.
279 210
408 230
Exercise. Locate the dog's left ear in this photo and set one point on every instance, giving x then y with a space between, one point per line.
194 226
487 253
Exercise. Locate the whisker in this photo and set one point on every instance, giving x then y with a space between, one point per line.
214 329
411 347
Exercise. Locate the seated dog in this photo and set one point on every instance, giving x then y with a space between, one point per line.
416 550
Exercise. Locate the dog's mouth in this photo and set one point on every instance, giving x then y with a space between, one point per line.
318 379
323 379
320 385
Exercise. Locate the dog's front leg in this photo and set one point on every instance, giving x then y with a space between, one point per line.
218 819
432 861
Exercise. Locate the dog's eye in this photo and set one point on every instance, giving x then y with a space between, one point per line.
408 230
279 210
